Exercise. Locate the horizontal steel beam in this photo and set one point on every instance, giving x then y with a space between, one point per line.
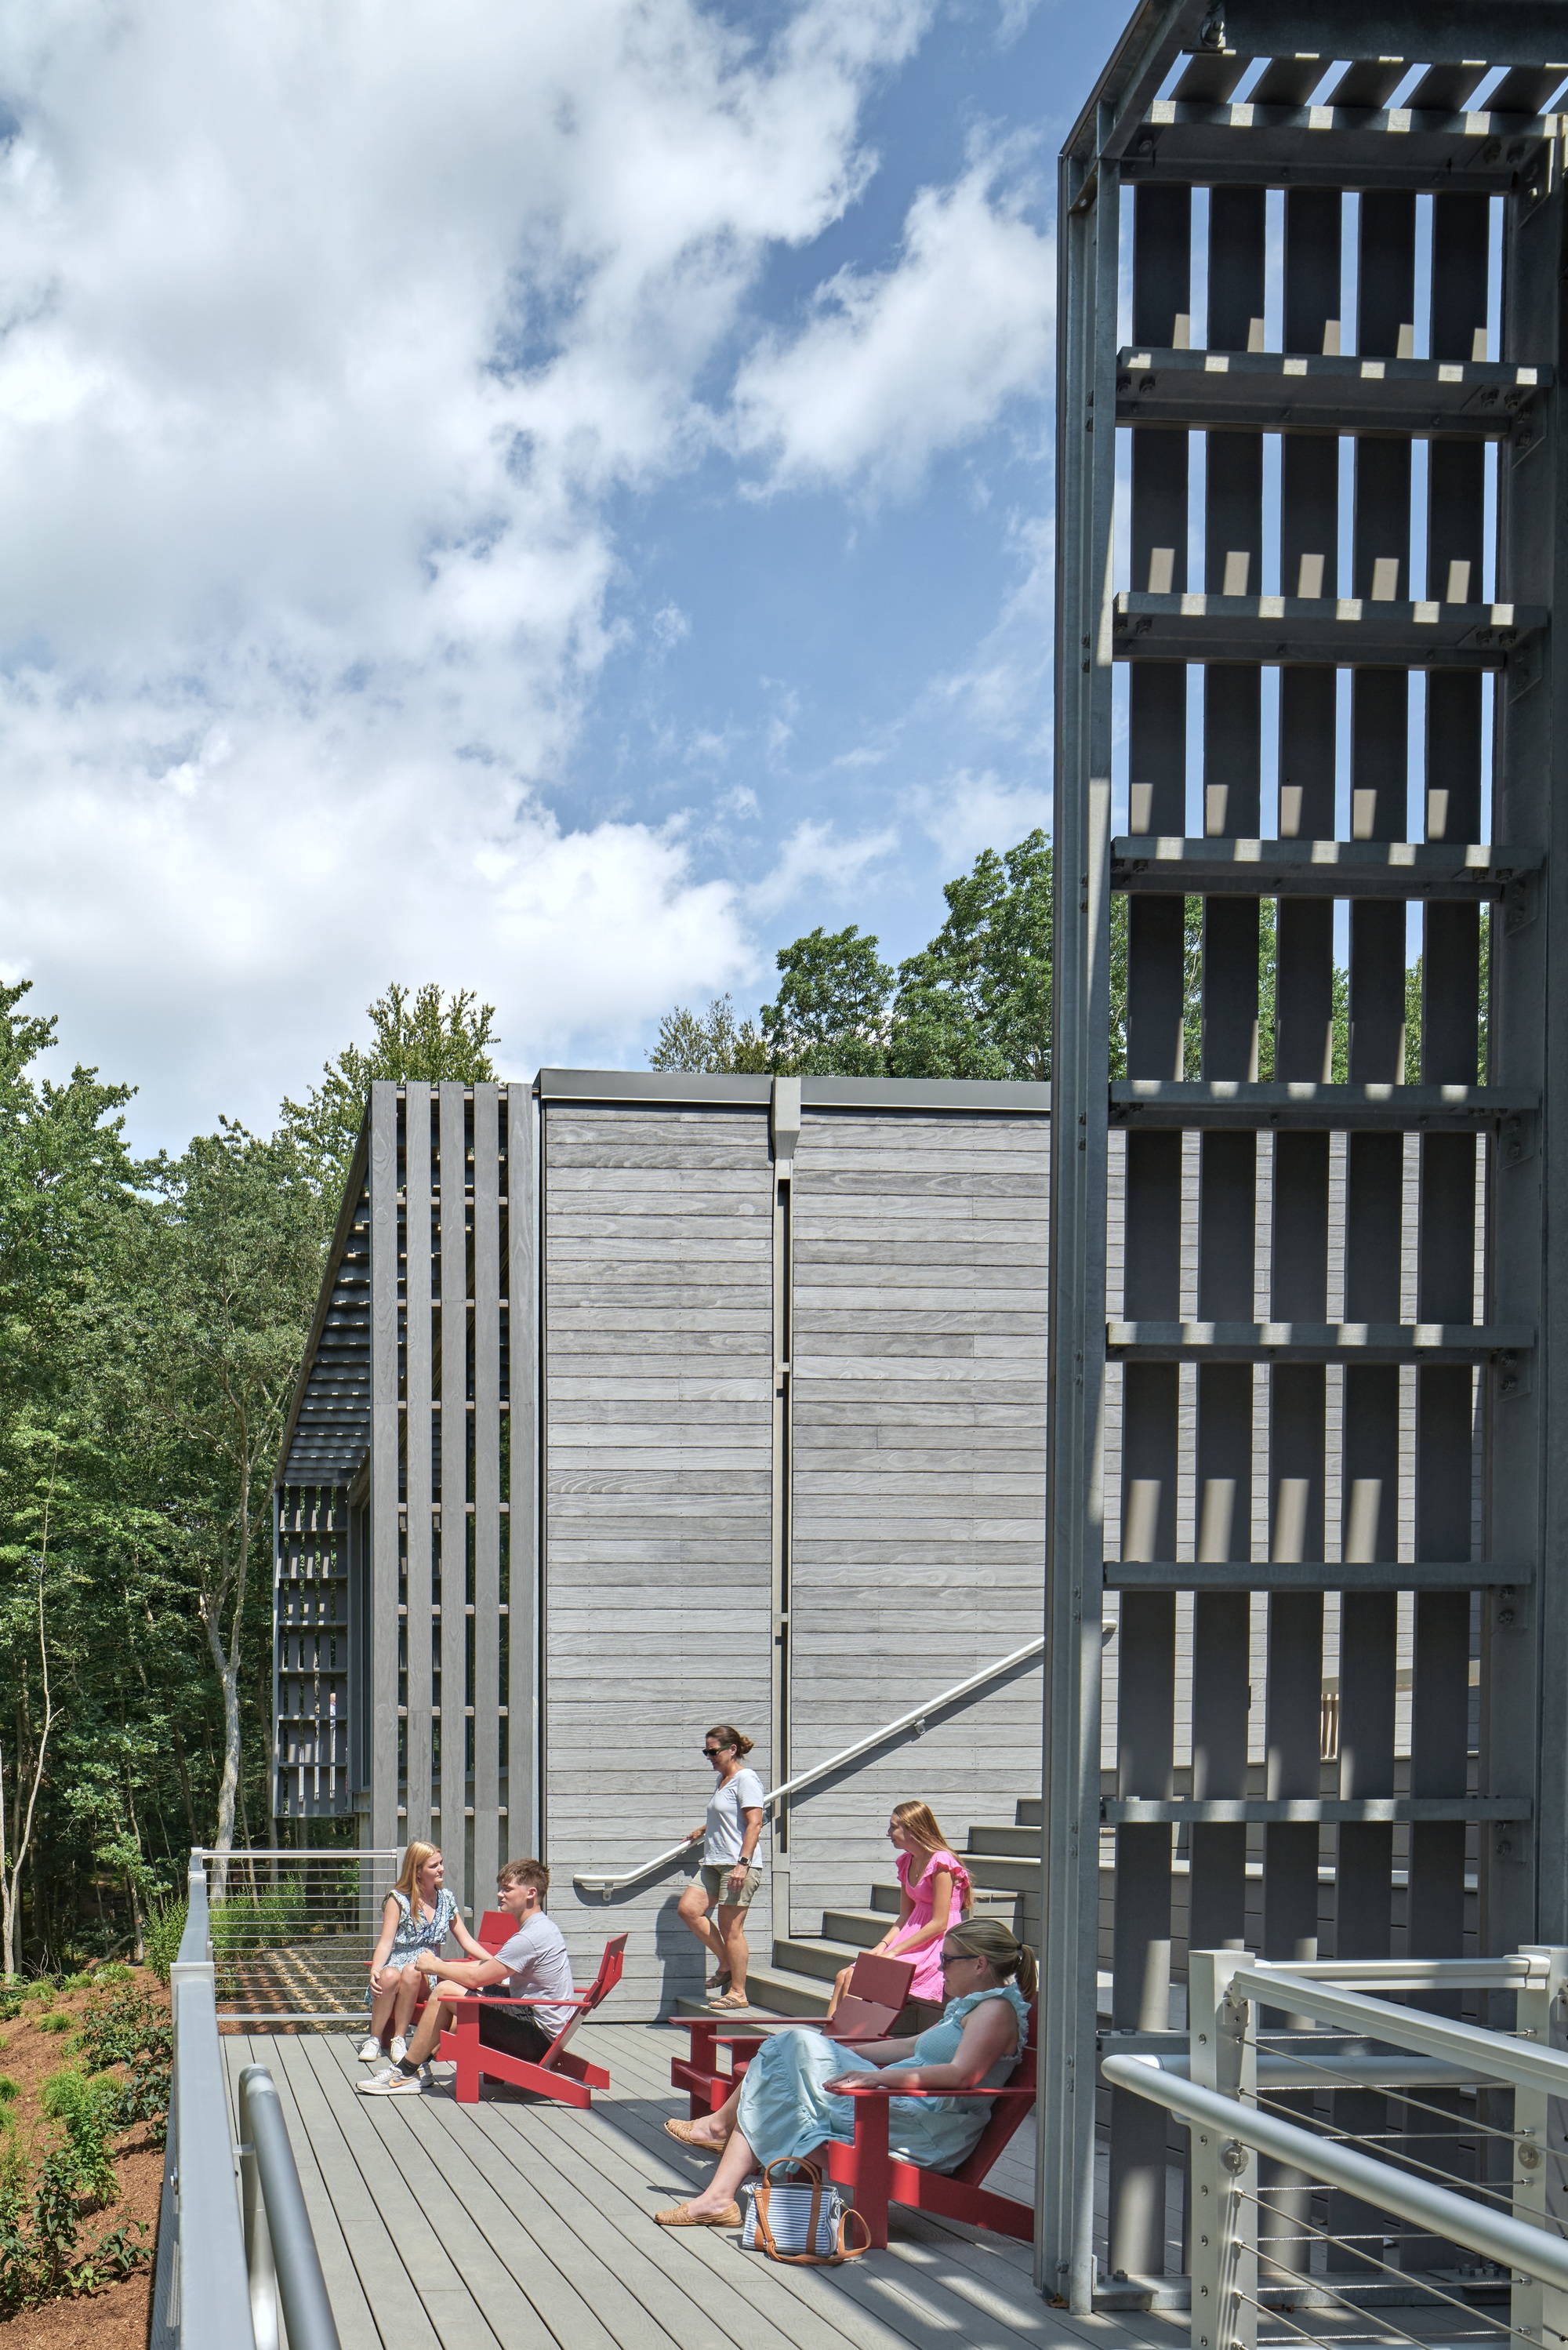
1426 32
1309 631
1197 390
1227 1102
1334 146
1314 1574
1136 1811
1316 1342
1164 862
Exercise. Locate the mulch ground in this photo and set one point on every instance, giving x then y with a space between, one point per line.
116 2318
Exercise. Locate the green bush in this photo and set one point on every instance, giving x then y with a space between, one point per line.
246 1923
8 2089
56 2020
165 1931
87 2110
124 2025
41 2253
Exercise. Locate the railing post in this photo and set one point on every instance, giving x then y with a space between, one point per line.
1223 2173
1537 2310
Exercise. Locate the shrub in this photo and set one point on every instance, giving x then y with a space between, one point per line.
41 2254
8 2089
87 2110
165 1931
124 2026
56 2020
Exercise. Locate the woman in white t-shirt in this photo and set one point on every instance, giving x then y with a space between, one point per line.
730 1872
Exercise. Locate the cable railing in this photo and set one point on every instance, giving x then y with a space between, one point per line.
234 2272
1253 2237
914 1724
291 1930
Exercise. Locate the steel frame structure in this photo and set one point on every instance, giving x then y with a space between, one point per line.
1245 1361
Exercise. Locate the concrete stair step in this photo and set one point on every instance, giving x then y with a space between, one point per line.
861 1928
773 1991
991 1835
1031 1812
813 1955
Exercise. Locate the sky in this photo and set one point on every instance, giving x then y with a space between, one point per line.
552 499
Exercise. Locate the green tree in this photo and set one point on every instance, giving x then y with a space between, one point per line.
830 1018
416 1034
713 1044
227 1279
976 1002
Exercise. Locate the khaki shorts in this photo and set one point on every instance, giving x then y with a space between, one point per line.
716 1885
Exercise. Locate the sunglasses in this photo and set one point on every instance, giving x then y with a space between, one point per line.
713 1753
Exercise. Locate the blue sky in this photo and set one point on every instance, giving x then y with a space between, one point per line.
552 501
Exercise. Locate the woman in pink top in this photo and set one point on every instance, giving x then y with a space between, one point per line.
934 1893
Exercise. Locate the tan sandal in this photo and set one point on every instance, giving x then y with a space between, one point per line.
686 2133
680 2215
729 2004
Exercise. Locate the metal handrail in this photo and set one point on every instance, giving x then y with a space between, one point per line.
284 2264
916 1719
1495 2235
1217 2083
216 2286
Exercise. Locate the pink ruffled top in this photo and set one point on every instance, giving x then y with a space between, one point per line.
927 1982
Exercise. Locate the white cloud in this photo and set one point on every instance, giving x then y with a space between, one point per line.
818 858
327 338
892 368
969 813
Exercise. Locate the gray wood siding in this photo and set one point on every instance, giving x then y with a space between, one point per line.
658 1308
919 1471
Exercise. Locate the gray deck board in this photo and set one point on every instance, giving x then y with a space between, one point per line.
515 2223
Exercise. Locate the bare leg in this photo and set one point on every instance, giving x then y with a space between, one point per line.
436 2019
840 1987
407 1998
737 1952
736 2162
692 1912
381 2006
716 2129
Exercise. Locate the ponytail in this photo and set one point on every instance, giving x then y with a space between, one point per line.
1004 1954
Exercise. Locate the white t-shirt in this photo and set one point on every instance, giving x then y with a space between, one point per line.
726 1826
537 1968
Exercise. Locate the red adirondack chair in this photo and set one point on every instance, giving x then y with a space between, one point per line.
557 2074
875 2179
877 1990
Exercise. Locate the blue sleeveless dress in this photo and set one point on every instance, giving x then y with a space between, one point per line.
785 2107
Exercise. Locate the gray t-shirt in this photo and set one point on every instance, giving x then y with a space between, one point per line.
537 1968
740 1793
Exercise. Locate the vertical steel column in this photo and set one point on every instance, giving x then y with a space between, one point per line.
385 1446
419 1634
524 1831
454 1776
1086 282
486 1698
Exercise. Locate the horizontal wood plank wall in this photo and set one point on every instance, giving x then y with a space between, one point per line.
658 1288
919 1471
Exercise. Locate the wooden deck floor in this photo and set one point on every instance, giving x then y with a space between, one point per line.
524 2225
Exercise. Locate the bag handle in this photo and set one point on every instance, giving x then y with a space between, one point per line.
843 2250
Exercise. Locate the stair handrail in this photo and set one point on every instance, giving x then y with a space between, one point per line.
916 1719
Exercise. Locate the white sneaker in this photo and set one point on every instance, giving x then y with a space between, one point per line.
399 2049
395 2082
368 2051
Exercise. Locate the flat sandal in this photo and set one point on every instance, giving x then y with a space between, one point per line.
680 2215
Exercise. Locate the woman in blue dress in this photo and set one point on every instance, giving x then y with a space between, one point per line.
787 2104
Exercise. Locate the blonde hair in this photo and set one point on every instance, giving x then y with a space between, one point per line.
921 1822
416 1858
998 1946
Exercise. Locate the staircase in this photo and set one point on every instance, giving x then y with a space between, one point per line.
1003 1863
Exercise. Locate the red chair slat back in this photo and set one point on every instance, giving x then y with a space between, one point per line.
494 1928
885 1982
611 1967
1008 2116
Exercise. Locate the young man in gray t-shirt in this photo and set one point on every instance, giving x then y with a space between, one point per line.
532 1965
